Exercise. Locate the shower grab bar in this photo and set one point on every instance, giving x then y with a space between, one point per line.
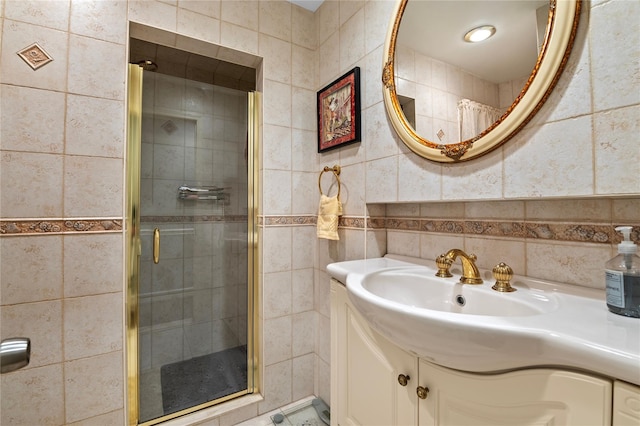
202 193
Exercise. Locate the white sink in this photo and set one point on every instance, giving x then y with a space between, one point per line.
420 289
474 328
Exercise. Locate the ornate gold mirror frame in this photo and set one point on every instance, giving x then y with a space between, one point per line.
560 32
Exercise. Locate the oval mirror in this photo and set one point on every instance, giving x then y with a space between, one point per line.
453 100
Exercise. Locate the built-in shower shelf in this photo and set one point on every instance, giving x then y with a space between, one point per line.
208 193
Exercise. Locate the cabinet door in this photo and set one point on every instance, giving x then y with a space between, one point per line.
626 404
365 371
526 397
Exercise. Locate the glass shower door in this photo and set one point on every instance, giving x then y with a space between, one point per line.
193 271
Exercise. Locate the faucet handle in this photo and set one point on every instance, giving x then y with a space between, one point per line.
444 264
503 274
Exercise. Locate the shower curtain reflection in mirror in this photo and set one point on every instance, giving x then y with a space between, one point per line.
474 118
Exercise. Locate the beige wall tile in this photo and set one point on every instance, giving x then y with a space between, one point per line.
44 385
277 103
277 54
418 180
154 14
321 294
112 418
209 8
612 50
304 67
569 210
107 76
491 251
93 187
558 170
303 369
277 152
302 290
17 36
42 323
277 386
92 325
352 38
433 245
94 127
22 281
275 19
304 108
304 28
88 394
303 186
617 169
104 20
31 185
378 135
92 264
38 13
303 333
403 243
198 26
582 264
277 338
376 244
449 210
277 192
328 19
277 294
32 120
625 209
238 37
329 58
475 180
382 180
243 13
495 210
277 249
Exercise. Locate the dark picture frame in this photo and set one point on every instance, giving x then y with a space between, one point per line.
339 112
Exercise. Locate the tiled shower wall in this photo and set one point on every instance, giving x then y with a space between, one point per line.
194 301
69 167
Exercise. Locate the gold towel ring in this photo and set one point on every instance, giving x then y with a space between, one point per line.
336 171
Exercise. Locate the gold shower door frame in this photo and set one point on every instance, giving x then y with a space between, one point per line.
133 250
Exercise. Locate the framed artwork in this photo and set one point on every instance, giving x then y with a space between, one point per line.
339 112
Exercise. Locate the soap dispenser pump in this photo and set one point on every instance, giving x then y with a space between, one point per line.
622 275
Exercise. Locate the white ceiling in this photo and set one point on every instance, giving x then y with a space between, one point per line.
311 5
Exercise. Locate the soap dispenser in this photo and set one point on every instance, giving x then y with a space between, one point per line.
622 275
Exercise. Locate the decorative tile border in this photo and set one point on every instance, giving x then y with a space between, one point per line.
61 226
585 232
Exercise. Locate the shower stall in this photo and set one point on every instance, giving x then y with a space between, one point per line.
192 232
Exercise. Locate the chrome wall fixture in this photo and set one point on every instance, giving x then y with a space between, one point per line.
15 353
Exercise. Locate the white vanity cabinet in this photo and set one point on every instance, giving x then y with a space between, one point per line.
626 404
365 388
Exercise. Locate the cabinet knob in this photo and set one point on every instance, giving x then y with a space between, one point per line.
403 380
422 392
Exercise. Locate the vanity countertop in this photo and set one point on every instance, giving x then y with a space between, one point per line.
589 338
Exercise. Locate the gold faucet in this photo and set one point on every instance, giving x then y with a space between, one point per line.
470 273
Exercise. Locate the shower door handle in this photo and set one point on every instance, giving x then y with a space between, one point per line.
156 245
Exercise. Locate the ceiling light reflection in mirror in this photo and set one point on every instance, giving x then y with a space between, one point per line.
437 77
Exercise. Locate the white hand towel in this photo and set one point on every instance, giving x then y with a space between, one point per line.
328 212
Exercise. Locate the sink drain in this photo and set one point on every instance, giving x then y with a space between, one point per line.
460 300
